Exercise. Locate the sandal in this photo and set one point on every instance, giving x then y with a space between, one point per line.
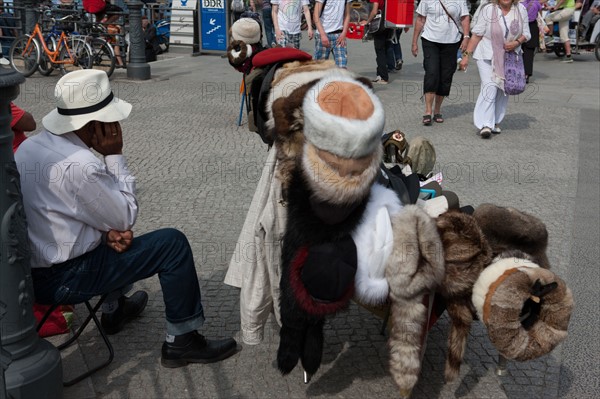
438 118
485 133
427 120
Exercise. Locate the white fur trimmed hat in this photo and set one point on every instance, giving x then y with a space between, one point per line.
246 30
525 308
343 116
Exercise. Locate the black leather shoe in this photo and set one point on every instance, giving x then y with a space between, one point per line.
129 309
194 348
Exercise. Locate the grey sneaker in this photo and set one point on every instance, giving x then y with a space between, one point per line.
567 60
496 130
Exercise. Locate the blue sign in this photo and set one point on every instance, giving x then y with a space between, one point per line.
213 22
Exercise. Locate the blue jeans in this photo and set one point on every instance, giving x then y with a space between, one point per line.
269 28
165 252
394 51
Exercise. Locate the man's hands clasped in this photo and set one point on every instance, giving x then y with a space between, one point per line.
119 241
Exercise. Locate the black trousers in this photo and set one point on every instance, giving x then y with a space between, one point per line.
381 44
439 62
530 46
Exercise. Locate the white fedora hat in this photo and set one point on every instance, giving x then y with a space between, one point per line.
84 96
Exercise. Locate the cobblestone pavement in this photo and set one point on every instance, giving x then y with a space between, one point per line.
197 170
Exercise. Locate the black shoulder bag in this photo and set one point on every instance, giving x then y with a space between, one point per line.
462 35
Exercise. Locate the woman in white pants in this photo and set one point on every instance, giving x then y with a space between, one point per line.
492 36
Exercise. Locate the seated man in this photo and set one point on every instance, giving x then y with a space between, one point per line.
80 211
21 122
589 19
150 40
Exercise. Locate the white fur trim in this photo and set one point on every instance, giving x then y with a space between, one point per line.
374 239
348 138
492 273
435 206
286 86
236 54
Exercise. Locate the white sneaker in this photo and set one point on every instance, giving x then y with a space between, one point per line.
379 80
496 130
4 61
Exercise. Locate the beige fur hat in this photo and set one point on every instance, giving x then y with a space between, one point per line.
246 30
343 123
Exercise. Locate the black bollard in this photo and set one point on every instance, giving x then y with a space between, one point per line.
31 366
196 40
137 68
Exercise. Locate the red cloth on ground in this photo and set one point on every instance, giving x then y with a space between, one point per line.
59 321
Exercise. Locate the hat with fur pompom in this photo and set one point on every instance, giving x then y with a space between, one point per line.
246 30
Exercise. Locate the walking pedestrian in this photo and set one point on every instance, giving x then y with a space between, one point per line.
442 23
502 26
534 8
381 42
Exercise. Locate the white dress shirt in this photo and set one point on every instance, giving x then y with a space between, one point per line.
71 197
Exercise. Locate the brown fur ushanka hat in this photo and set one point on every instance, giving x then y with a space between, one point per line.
525 307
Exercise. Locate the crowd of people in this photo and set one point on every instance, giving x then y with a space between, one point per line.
446 34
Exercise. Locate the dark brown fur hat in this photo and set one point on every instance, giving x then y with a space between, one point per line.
509 228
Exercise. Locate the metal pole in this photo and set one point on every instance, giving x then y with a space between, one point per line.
137 68
30 365
196 43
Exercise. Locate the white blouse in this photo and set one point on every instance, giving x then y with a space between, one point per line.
439 27
483 27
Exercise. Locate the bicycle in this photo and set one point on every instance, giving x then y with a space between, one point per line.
103 56
25 53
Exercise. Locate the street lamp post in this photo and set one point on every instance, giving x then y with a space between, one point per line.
31 366
137 68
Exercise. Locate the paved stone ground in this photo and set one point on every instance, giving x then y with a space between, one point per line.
197 171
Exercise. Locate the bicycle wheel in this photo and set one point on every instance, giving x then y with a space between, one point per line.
103 56
81 53
46 67
24 58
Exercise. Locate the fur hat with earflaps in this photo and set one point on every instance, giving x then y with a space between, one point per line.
246 35
525 307
329 175
343 121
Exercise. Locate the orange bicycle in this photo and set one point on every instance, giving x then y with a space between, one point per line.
25 53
